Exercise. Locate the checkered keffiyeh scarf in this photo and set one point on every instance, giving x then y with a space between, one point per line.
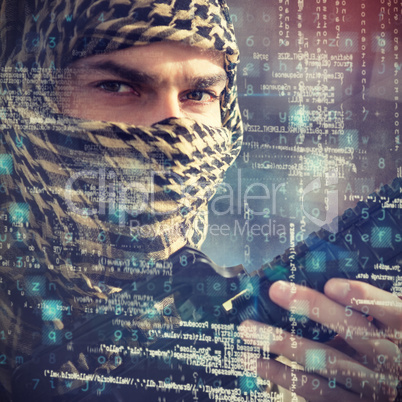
53 166
69 187
48 149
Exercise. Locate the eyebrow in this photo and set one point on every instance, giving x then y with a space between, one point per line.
140 77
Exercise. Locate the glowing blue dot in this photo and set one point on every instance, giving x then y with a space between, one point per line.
381 237
248 384
349 139
6 164
315 359
19 212
51 310
35 285
315 261
299 116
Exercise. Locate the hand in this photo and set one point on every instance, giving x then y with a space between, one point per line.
363 362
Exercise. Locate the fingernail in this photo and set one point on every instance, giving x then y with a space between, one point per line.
337 288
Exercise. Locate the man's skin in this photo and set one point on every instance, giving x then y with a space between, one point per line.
146 84
365 357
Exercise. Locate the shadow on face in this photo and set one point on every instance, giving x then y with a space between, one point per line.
143 85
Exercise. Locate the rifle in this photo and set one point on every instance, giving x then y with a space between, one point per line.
365 245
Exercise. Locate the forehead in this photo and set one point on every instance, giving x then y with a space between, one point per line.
159 57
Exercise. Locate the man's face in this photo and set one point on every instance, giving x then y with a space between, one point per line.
143 85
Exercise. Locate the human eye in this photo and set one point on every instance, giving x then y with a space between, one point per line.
116 87
199 95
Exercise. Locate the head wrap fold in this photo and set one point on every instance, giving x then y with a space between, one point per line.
108 189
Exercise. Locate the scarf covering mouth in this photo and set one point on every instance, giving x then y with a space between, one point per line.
115 191
87 205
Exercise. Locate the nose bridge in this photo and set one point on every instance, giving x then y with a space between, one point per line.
168 105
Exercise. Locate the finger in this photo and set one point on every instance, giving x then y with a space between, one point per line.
309 386
351 325
318 358
377 362
315 388
384 306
